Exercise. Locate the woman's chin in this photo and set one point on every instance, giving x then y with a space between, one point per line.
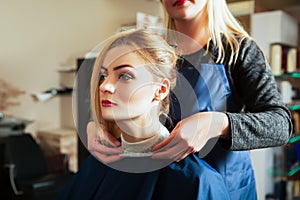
108 118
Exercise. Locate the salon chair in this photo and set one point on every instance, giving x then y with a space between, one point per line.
24 173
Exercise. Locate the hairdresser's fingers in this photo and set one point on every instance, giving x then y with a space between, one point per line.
168 154
173 144
93 138
106 158
174 154
110 139
169 140
103 149
165 142
185 154
170 151
94 144
177 154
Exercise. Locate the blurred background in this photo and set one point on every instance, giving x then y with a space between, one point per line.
43 44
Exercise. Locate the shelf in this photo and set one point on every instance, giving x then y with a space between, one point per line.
294 107
293 78
292 174
292 74
294 139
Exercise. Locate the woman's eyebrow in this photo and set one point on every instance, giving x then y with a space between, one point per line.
117 67
122 66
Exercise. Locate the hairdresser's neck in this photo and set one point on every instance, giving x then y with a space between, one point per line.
136 131
195 28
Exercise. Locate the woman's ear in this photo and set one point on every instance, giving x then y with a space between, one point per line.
162 91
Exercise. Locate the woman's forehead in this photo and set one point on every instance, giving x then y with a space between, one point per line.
124 53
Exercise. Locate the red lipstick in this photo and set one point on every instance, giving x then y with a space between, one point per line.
107 103
179 2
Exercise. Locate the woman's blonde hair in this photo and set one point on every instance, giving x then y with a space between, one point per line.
221 24
149 46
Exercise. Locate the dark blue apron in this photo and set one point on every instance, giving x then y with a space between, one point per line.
205 87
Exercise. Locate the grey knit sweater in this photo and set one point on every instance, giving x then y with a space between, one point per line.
265 120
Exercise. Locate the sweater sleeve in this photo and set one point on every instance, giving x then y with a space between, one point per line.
265 120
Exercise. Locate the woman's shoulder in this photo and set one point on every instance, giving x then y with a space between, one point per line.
245 42
249 43
249 51
245 45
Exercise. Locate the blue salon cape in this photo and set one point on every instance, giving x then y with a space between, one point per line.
202 85
191 178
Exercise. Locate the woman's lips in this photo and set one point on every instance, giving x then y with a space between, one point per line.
179 2
107 103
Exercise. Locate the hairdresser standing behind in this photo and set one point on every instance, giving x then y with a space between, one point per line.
255 116
236 97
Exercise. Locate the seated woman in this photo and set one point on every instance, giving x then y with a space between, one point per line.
130 86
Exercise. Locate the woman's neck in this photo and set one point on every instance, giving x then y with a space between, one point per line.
144 147
133 132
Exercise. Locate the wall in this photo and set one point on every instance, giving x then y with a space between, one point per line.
38 36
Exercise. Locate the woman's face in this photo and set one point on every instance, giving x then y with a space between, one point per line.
183 9
127 88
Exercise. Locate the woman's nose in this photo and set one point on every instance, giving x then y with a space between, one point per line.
107 86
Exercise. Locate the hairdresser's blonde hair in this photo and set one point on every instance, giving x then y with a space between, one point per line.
221 23
149 46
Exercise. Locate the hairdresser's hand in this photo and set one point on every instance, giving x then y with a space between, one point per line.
191 134
105 153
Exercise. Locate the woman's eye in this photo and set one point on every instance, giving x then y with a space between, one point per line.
126 76
102 77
